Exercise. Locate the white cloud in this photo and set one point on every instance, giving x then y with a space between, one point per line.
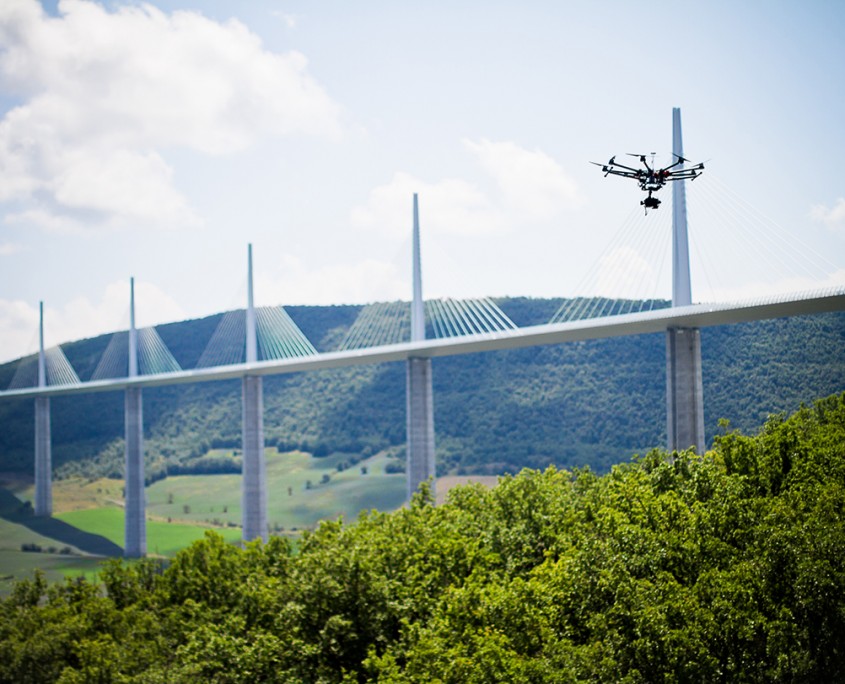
623 273
532 183
289 20
9 248
19 322
450 206
532 188
833 217
761 289
122 185
81 317
49 221
357 283
104 94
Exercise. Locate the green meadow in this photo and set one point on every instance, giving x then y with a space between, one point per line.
88 519
163 539
301 491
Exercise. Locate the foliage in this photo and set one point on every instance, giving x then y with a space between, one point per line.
672 567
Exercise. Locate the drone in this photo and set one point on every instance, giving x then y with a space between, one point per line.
650 178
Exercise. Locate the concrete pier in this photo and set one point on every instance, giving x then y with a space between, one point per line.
420 424
43 457
135 520
254 481
684 394
135 530
419 392
254 488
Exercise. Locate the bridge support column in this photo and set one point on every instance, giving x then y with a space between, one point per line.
254 487
253 469
684 393
420 424
419 404
684 396
135 530
43 459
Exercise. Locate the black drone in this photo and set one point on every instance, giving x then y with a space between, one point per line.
651 179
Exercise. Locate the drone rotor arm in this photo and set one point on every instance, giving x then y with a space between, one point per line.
680 160
688 174
622 166
624 174
643 160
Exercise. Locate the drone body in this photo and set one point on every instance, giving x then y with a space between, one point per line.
650 178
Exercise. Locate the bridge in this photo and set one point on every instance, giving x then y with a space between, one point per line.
257 342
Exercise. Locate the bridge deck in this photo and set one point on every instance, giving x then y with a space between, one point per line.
695 316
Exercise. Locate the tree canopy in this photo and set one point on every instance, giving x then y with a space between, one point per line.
676 567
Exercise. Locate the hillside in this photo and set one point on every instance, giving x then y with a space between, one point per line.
589 403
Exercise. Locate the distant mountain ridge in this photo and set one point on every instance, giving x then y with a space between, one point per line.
586 403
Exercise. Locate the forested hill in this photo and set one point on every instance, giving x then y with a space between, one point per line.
588 403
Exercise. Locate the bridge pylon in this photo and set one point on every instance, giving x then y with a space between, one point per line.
135 521
253 480
419 392
684 393
43 458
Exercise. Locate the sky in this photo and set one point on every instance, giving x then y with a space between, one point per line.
157 140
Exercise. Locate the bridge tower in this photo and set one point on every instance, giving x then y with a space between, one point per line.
684 395
43 459
419 392
254 485
135 530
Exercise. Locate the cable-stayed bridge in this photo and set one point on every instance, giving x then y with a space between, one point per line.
62 379
258 341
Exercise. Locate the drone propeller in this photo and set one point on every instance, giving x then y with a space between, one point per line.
684 160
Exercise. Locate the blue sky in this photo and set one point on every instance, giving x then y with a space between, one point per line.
156 140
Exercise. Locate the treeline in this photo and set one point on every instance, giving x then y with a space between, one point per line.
587 403
726 567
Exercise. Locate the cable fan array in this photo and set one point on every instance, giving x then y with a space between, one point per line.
153 356
626 277
379 324
277 337
781 261
59 370
386 323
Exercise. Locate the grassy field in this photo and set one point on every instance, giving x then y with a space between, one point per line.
163 539
88 520
292 503
65 550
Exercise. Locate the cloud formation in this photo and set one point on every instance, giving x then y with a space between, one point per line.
105 94
451 206
760 289
623 273
81 317
9 248
833 217
530 187
532 183
298 283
